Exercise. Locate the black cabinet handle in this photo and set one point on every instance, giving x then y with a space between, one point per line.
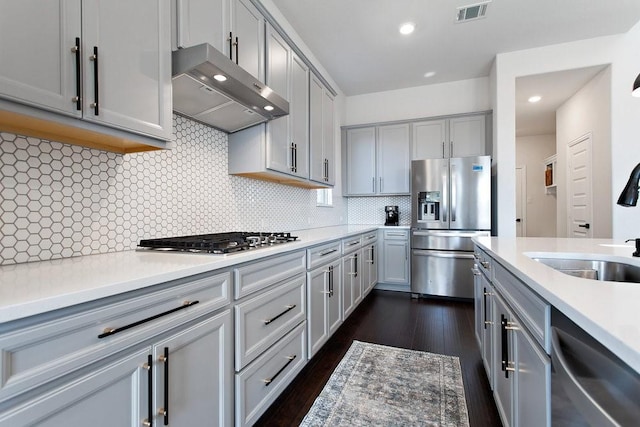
503 344
96 93
78 98
230 46
518 220
355 263
111 331
270 380
165 410
293 162
484 297
288 308
587 226
330 281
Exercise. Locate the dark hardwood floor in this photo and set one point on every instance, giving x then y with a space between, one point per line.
393 318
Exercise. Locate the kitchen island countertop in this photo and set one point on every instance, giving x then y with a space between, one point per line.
38 287
609 311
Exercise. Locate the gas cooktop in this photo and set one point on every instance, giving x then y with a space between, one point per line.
217 243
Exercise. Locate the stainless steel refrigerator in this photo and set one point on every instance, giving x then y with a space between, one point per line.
451 203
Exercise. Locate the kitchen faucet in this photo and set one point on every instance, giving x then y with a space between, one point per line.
637 252
629 196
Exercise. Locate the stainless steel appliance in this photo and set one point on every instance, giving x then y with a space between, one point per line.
590 386
212 89
392 215
217 243
451 203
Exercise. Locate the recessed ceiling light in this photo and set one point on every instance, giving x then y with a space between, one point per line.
220 77
268 107
535 98
407 28
429 74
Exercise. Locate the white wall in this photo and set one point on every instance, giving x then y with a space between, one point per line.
622 52
464 96
540 207
588 111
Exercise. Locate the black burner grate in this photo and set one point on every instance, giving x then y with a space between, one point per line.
218 243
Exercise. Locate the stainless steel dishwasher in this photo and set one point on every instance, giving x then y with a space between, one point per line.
590 386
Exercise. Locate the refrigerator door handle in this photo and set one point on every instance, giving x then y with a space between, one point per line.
445 195
453 192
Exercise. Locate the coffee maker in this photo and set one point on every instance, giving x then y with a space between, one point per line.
392 215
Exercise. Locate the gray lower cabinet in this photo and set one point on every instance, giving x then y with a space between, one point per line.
109 362
394 264
518 362
324 293
369 257
351 275
270 331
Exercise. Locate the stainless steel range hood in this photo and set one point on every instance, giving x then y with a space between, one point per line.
237 102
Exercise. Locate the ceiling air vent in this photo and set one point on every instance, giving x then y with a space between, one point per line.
471 12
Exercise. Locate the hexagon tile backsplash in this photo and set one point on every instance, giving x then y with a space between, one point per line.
59 200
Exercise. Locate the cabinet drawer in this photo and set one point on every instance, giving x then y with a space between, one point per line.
264 319
259 275
368 238
483 261
262 381
395 234
323 254
533 311
46 349
351 244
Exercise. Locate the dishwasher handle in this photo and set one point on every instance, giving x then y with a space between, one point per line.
442 254
607 408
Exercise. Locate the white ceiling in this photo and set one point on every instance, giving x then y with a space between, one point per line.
358 42
555 88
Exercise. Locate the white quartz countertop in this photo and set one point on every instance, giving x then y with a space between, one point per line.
609 311
38 287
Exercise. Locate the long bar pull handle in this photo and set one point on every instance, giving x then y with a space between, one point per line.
78 98
443 149
164 411
503 344
450 148
292 149
295 152
237 43
230 40
454 193
381 185
355 263
484 297
111 331
288 308
149 367
96 93
328 252
330 281
290 359
445 195
373 184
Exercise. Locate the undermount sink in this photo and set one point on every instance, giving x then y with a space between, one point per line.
594 269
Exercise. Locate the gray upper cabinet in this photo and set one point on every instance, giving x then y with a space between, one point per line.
279 149
86 66
377 160
321 138
462 136
360 161
234 27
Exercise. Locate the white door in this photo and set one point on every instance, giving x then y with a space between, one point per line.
202 21
521 201
328 136
579 194
361 161
467 136
393 159
299 116
316 155
247 25
429 139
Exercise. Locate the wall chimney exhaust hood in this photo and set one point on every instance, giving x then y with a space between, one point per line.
210 88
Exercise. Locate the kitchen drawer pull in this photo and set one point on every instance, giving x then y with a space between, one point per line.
353 243
485 264
475 271
78 98
484 299
288 309
370 236
328 252
111 331
268 381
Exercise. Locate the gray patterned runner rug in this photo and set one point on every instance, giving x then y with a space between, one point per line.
376 385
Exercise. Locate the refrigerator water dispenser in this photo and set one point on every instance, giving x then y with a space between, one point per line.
428 206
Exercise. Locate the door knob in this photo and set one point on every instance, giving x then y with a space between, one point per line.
587 226
518 220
